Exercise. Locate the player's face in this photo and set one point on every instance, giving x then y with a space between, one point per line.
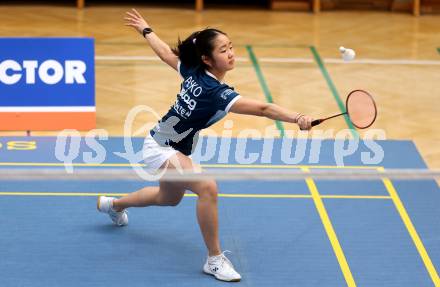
223 54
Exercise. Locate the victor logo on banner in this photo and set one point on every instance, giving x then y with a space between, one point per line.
47 83
50 72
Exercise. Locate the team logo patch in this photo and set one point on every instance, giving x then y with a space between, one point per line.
224 95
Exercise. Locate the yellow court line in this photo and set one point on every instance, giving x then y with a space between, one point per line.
123 194
73 164
60 194
411 230
288 166
203 165
9 193
262 195
330 231
356 196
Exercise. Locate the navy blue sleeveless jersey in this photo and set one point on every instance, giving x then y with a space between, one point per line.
202 101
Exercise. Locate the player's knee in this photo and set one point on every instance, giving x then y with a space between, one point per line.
210 190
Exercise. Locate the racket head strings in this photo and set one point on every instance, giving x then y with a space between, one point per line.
361 109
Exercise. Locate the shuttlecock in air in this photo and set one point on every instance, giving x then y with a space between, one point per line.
347 54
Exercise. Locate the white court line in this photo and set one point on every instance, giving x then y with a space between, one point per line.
143 58
126 58
384 62
48 109
291 60
286 60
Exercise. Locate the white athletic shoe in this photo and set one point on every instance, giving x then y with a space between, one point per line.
105 205
220 267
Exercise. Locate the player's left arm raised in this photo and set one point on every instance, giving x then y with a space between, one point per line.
271 111
134 19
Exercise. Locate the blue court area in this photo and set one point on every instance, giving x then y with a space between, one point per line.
295 233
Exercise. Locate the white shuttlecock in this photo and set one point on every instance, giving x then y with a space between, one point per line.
347 54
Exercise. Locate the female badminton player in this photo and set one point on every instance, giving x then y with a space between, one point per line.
202 60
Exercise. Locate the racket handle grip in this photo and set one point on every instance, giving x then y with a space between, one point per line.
317 122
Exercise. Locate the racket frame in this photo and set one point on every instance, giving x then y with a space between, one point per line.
347 112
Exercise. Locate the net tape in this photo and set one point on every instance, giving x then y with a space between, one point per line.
230 174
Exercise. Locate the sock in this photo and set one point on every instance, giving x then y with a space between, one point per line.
111 206
214 258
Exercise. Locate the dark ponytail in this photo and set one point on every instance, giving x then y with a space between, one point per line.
198 44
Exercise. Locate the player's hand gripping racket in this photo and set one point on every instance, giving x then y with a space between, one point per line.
360 108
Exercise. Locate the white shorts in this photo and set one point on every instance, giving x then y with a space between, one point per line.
155 155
